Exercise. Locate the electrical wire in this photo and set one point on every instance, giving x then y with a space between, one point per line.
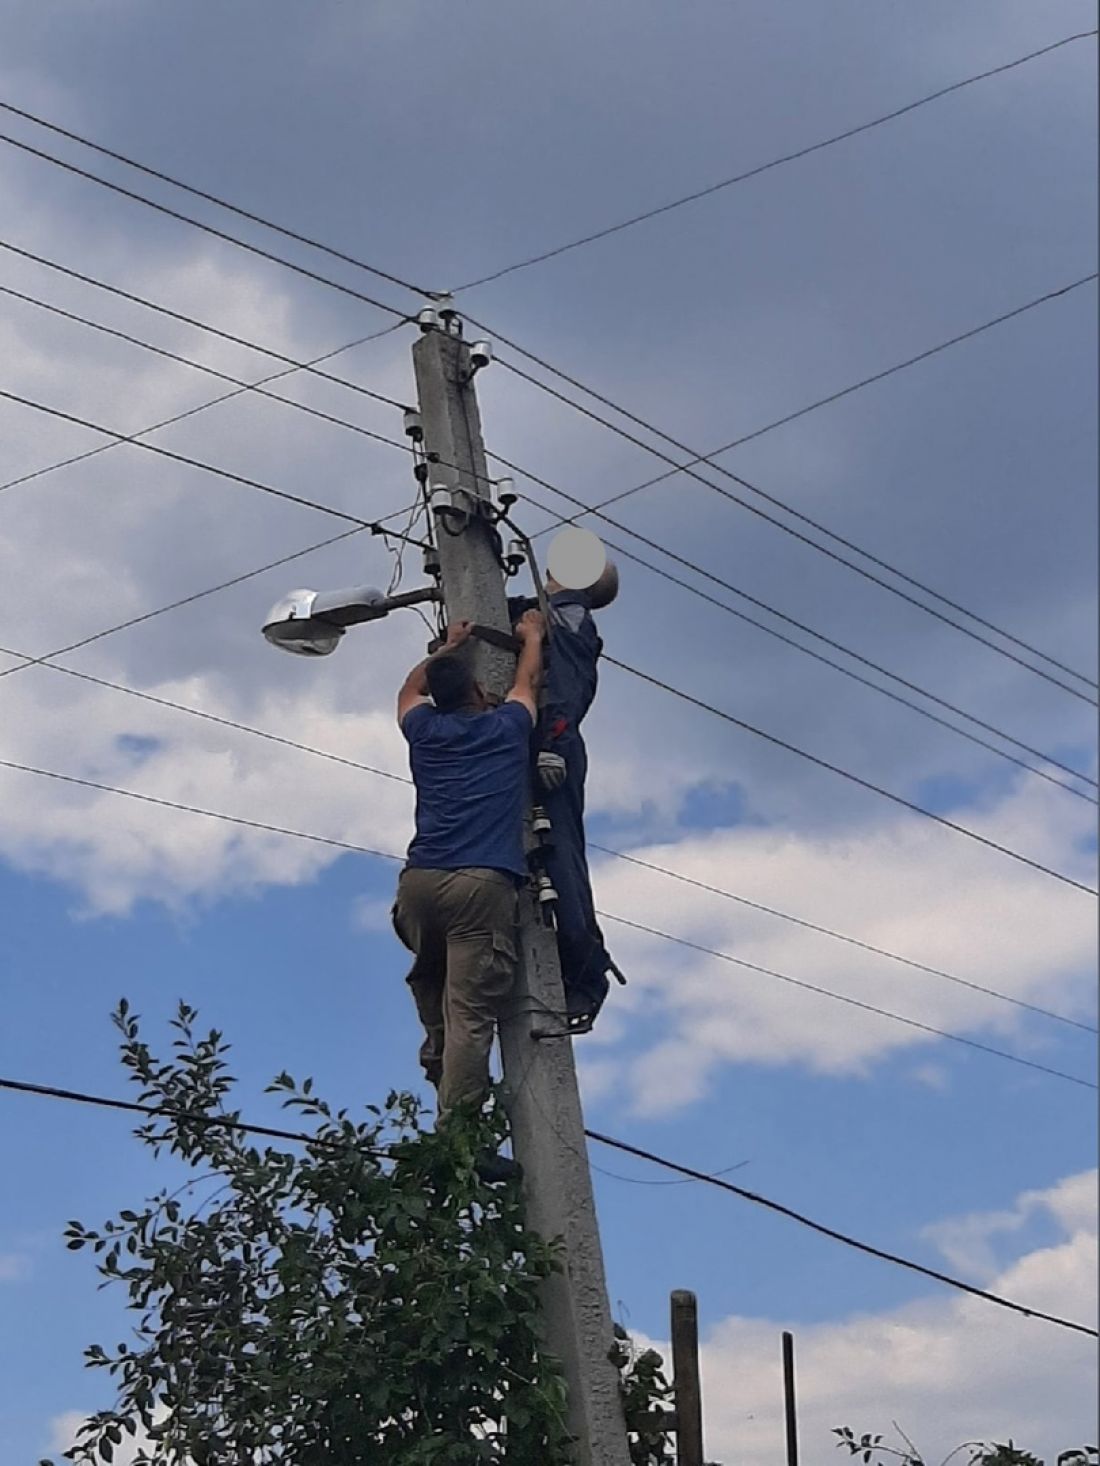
190 412
405 447
826 931
212 198
849 1241
791 621
183 601
595 509
634 860
753 508
253 249
336 285
846 774
798 982
73 1096
199 366
836 397
351 847
205 326
225 473
173 1112
804 152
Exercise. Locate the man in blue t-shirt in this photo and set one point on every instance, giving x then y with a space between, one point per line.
456 897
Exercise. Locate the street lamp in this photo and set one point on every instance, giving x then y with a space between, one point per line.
310 623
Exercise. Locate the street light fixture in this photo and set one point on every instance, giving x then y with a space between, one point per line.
310 623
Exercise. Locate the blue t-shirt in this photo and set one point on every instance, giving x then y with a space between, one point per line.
471 777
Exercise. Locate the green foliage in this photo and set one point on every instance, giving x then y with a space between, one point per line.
647 1398
982 1453
365 1301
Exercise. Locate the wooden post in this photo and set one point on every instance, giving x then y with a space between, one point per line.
687 1389
790 1409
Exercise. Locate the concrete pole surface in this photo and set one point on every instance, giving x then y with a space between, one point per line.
687 1391
540 1081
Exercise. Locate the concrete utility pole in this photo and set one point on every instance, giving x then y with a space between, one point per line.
540 1079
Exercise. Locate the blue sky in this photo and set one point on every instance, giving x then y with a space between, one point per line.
441 144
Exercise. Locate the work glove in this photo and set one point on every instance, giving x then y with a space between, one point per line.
551 768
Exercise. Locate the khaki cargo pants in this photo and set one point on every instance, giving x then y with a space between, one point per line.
461 927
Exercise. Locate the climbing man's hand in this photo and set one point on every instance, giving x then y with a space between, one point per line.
551 771
532 624
458 632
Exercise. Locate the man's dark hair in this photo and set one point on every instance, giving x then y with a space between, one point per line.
450 682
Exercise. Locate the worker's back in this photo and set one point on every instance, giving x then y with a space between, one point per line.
471 775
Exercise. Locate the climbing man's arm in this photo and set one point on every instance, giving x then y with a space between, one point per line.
414 689
525 688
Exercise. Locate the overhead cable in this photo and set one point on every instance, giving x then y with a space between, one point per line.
205 326
199 366
843 1237
52 665
225 473
212 198
188 413
756 510
952 977
788 620
229 1122
804 152
353 848
299 499
183 601
810 987
847 774
836 397
206 228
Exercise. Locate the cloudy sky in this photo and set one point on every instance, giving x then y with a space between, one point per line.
442 143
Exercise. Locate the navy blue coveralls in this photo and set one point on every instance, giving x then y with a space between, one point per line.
569 683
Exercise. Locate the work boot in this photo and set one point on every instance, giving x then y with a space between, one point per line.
494 1169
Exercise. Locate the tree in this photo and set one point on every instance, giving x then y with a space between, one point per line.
982 1453
364 1301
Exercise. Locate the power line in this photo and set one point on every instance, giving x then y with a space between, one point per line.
173 1112
199 366
572 499
810 987
208 717
817 147
212 198
190 412
753 508
183 601
164 310
790 621
691 1174
206 228
836 397
336 285
299 499
197 463
634 860
74 1096
351 847
976 987
846 774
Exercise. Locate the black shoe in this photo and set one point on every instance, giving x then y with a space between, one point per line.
496 1169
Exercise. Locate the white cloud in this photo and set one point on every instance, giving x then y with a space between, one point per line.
948 1368
901 885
